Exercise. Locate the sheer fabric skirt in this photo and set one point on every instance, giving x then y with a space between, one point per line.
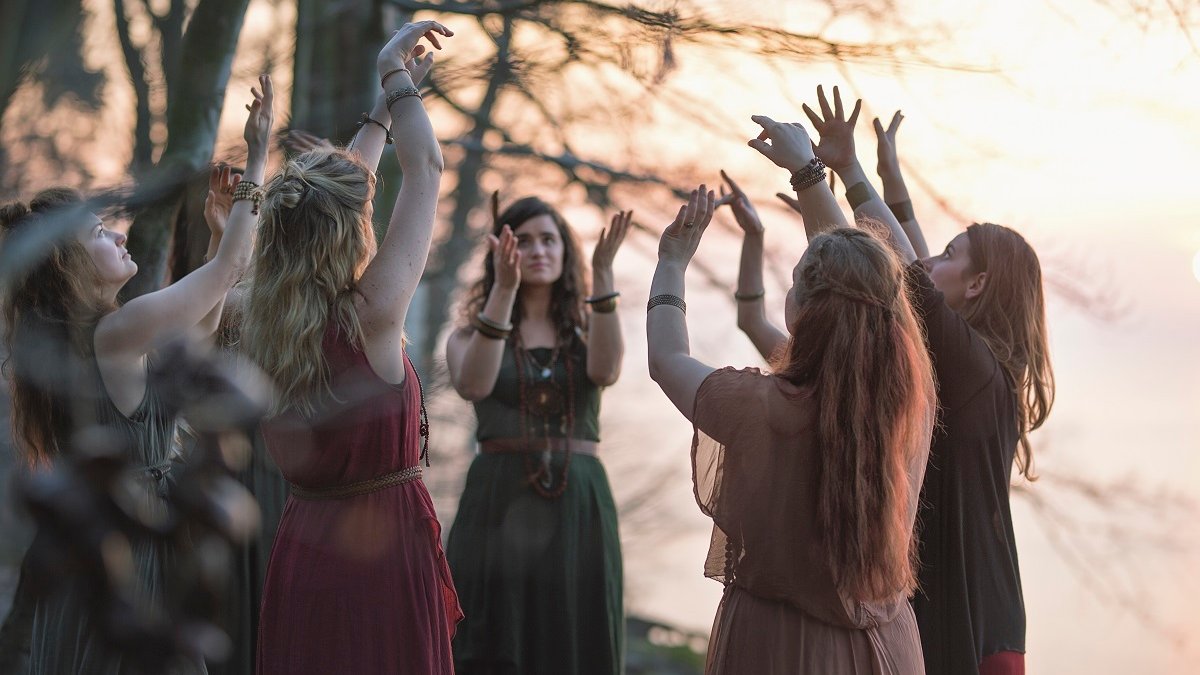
765 637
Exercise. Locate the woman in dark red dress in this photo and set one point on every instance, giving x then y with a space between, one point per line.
357 581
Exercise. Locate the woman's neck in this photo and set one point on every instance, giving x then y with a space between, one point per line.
535 302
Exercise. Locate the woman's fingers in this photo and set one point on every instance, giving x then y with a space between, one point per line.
492 242
790 201
894 125
854 113
817 122
879 131
824 103
838 111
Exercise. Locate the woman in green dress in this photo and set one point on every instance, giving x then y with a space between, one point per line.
534 549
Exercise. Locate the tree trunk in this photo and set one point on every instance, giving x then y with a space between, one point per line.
208 48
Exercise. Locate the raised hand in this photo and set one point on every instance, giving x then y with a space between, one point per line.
396 54
221 181
743 211
261 117
610 241
889 163
836 148
681 238
419 67
300 141
789 147
506 259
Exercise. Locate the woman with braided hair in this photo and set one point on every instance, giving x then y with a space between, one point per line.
80 364
810 472
357 581
534 547
982 307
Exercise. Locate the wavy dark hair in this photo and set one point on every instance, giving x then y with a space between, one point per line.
569 291
856 342
1010 316
50 314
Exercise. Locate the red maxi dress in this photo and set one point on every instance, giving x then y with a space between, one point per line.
356 583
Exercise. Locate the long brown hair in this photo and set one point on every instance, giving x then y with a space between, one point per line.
568 292
1010 316
50 315
314 242
855 340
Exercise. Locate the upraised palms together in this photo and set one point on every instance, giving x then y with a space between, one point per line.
836 148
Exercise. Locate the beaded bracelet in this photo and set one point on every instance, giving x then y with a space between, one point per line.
748 297
248 190
403 92
667 299
367 119
808 175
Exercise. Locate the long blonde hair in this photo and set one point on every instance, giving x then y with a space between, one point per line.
1010 316
856 341
314 241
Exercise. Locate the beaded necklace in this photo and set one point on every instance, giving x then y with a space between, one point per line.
424 425
543 398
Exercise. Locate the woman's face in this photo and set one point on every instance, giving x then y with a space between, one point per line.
107 251
541 249
951 273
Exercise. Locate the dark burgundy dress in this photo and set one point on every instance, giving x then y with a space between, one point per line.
355 584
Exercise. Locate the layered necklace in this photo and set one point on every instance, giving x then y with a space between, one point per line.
542 397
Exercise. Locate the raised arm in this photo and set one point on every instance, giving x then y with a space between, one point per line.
134 329
895 192
374 131
390 280
791 149
671 364
473 357
836 149
751 293
218 202
606 346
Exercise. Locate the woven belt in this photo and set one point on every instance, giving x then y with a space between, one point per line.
499 445
360 488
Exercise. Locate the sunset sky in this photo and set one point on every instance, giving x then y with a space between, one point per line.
1084 137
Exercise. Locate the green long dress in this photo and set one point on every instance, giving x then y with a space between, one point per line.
539 578
63 639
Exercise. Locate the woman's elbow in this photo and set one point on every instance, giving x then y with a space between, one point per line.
604 377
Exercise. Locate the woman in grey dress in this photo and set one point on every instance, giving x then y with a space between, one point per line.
70 341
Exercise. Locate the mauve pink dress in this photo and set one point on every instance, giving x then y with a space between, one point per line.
356 584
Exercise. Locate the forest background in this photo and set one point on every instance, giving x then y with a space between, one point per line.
1073 121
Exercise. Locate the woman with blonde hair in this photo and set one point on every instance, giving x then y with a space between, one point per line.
983 311
70 341
357 581
811 472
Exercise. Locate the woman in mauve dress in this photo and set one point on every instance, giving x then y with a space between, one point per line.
810 472
357 582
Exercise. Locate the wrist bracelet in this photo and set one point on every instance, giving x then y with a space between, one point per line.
248 190
367 119
393 71
502 327
403 92
808 175
667 299
858 194
903 210
487 331
748 297
601 298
